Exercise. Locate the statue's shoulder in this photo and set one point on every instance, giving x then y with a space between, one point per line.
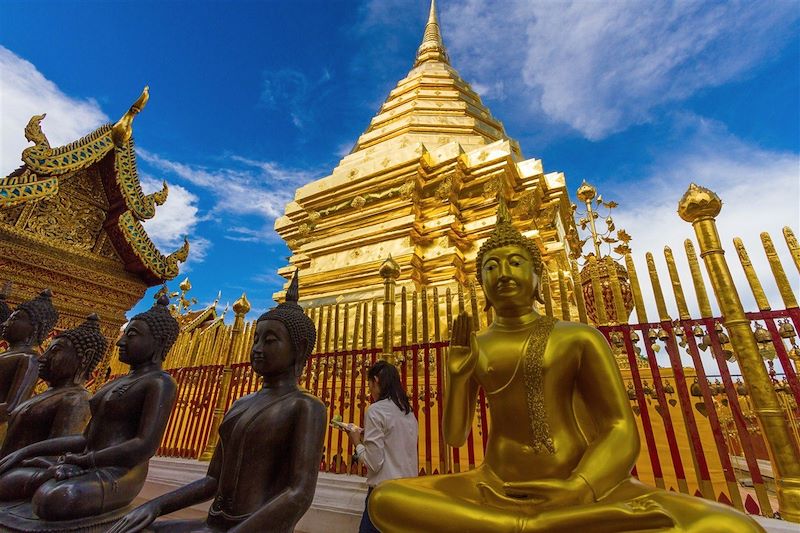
577 330
163 379
312 402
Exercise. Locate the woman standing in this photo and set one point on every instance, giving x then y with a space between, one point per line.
388 444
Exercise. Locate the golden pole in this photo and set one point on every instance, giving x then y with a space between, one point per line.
700 206
794 247
750 274
677 289
562 291
636 289
577 289
784 287
697 280
240 307
389 271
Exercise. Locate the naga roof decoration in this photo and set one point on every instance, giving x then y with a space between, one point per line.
110 147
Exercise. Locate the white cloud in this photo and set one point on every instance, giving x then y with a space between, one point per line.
178 217
24 92
246 187
759 189
602 66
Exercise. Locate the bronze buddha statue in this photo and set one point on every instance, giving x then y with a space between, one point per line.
263 473
562 440
63 409
103 469
24 330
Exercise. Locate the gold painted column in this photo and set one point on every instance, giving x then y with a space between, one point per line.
700 206
389 271
241 307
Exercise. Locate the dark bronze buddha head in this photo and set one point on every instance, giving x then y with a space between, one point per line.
73 354
149 335
284 336
31 321
509 265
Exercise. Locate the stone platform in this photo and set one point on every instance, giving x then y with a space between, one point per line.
337 506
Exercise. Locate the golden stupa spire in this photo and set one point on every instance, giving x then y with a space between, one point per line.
432 47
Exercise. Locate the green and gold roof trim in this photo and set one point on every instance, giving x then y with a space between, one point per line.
164 267
37 179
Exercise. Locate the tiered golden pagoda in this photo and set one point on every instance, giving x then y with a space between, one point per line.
71 220
421 184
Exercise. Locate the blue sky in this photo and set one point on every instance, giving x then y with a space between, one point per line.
249 100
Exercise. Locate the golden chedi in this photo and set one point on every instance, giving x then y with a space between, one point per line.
563 439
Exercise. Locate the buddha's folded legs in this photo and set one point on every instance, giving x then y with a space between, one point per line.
452 503
21 483
446 503
95 492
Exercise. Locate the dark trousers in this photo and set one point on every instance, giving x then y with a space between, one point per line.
366 524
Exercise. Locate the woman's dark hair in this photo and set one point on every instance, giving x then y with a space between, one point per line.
390 385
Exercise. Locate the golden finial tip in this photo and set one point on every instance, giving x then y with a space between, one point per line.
242 305
432 47
185 285
390 268
122 130
698 203
586 192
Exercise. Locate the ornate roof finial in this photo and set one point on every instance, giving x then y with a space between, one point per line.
122 131
293 292
432 47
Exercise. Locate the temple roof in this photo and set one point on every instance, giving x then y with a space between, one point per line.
110 149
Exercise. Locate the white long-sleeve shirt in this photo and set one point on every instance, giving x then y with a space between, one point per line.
390 443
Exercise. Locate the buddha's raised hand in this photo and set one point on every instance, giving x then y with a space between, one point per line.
463 346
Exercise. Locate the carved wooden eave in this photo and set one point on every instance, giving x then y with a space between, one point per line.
106 154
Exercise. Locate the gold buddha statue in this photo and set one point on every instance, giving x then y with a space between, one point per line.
562 440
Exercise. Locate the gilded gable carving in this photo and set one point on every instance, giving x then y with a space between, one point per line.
10 215
71 222
107 250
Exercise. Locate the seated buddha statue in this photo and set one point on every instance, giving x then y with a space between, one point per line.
63 409
104 468
263 473
562 440
24 330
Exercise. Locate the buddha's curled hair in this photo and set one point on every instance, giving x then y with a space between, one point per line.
42 314
162 324
292 316
89 343
505 234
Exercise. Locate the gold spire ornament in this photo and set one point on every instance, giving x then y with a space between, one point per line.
598 265
432 47
122 131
